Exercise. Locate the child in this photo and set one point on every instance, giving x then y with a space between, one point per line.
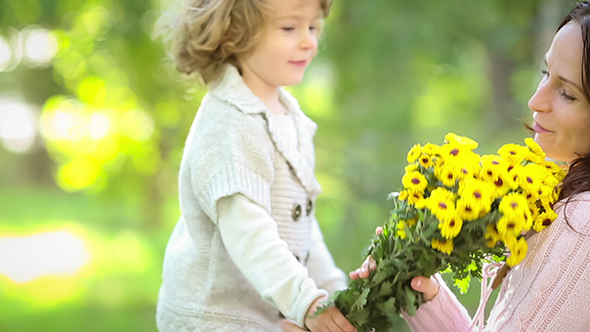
247 249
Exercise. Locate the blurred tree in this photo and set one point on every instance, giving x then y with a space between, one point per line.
113 114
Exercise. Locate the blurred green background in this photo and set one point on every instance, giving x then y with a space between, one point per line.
93 119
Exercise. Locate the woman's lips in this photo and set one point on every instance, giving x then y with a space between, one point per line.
538 129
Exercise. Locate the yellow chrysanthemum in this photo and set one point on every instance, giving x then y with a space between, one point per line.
557 172
518 251
401 230
476 194
531 178
510 226
426 160
513 205
443 246
534 147
413 197
543 220
414 181
414 153
468 170
492 234
501 186
450 152
430 149
493 167
465 211
442 203
513 154
412 168
450 227
461 140
447 175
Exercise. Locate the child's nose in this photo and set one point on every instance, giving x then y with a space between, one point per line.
308 40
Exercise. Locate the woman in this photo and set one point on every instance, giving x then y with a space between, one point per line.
548 290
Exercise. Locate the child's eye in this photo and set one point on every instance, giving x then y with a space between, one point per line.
545 72
312 28
567 97
288 29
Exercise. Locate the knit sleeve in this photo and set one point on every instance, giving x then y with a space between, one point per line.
549 289
252 241
320 264
230 153
444 313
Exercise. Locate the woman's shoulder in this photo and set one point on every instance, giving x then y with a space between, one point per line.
575 211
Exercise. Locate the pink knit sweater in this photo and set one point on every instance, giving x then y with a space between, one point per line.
548 291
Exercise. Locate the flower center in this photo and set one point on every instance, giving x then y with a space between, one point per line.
477 194
499 183
455 152
416 181
529 180
442 205
546 222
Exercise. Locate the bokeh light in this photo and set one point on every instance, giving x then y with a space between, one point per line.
17 126
40 46
30 257
5 53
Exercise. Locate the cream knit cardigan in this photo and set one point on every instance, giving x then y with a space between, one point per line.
237 256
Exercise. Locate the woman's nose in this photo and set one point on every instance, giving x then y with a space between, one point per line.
541 101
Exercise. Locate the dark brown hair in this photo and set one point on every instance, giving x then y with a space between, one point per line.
577 179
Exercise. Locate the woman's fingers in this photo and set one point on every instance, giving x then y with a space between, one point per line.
365 270
378 230
368 265
427 286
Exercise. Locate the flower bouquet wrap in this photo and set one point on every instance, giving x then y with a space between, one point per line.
456 211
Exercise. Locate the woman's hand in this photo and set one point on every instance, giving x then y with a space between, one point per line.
427 286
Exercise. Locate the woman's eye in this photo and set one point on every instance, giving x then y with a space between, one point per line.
567 97
545 72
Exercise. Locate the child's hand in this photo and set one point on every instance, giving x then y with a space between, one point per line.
368 265
332 320
289 326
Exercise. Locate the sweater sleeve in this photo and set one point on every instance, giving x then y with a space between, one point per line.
444 313
228 153
549 289
252 240
320 264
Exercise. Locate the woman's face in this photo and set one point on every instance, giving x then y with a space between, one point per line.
561 109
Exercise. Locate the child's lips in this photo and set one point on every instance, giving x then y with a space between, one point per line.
301 63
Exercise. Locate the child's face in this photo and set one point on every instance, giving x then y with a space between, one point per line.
289 43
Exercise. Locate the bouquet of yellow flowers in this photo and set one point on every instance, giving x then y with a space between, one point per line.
456 211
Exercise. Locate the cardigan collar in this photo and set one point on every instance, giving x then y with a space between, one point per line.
230 87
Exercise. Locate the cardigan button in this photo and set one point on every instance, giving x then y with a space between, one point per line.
297 211
309 207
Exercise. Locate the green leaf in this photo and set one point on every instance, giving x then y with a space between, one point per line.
361 300
410 308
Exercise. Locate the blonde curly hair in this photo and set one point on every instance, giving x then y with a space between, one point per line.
209 33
